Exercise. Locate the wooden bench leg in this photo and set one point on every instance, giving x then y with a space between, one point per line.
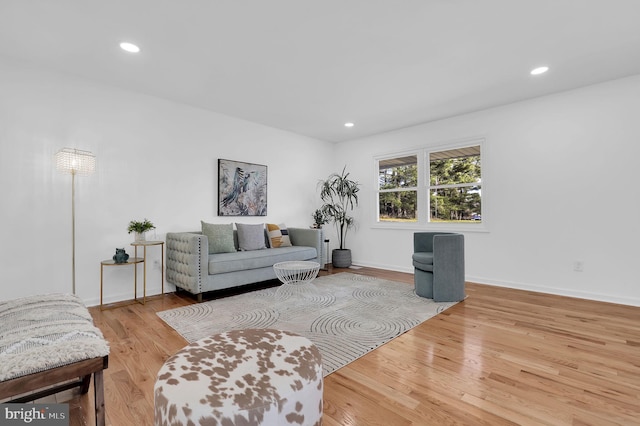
98 387
86 381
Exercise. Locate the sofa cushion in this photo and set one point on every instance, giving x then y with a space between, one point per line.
278 235
250 237
423 260
230 262
220 237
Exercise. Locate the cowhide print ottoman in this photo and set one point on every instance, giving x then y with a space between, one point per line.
242 377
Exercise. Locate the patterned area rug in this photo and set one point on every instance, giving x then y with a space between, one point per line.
346 315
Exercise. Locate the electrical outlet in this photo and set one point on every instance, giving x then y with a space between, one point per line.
578 265
156 264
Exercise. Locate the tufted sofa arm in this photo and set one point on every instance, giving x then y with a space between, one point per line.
187 260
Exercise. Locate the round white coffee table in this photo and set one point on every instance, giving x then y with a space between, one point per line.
296 278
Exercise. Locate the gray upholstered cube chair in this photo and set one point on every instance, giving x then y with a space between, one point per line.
438 259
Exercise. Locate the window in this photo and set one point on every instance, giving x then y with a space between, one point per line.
455 185
398 189
430 186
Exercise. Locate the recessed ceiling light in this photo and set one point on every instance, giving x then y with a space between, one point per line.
348 124
129 47
539 70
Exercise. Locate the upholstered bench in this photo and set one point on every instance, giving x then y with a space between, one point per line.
242 377
49 344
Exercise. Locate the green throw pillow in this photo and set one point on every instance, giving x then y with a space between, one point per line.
220 237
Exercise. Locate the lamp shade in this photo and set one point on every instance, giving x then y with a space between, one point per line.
75 161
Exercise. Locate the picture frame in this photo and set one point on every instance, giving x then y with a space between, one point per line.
242 188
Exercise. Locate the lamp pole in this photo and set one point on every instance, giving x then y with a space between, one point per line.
74 161
73 231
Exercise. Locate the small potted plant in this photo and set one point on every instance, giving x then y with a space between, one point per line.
319 219
140 227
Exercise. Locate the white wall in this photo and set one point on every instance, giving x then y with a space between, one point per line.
155 159
560 184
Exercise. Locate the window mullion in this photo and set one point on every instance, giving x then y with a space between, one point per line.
423 185
409 188
455 185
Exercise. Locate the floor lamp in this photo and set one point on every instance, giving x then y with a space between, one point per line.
74 162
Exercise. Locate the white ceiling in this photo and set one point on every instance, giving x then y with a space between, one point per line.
309 66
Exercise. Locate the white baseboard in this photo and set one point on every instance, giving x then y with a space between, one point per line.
600 297
385 267
124 296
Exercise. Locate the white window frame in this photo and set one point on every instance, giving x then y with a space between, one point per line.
422 222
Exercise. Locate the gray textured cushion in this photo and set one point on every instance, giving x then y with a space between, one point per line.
256 259
250 237
220 237
423 260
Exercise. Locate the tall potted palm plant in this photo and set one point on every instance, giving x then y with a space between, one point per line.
339 195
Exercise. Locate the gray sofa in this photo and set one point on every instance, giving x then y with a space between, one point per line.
191 267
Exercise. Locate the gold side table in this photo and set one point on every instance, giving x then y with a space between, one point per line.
132 261
145 244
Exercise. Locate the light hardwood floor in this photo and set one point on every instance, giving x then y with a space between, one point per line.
500 357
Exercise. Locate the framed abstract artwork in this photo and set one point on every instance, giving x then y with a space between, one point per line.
242 189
